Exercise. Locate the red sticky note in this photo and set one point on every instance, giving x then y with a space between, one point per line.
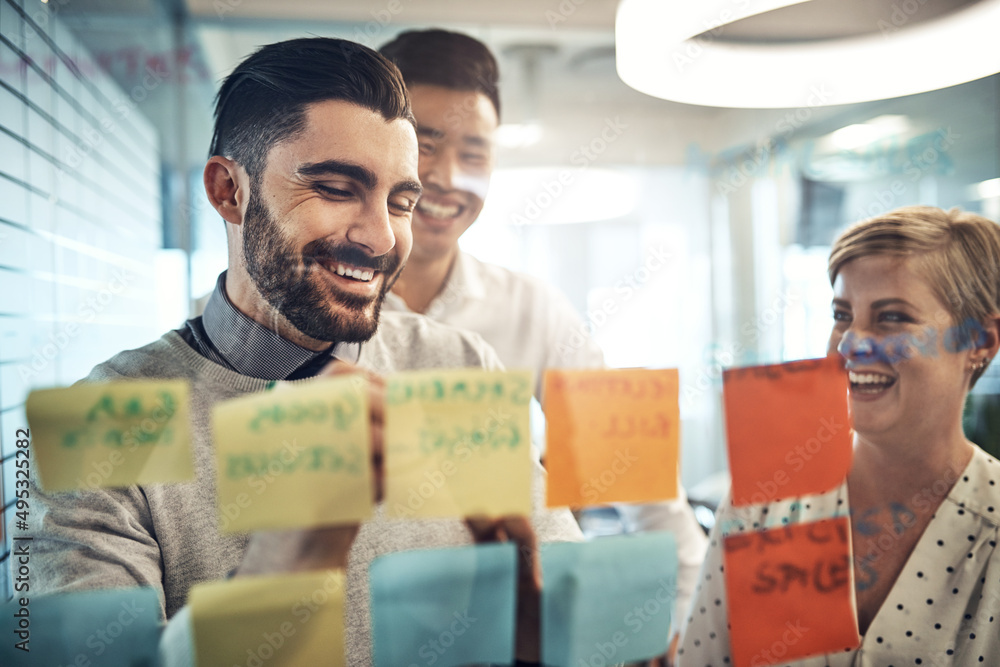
788 429
612 436
790 593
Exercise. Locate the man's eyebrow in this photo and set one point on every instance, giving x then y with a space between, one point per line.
429 132
435 134
478 142
360 174
407 186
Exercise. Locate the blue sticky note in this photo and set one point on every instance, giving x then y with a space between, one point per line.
444 607
111 627
609 600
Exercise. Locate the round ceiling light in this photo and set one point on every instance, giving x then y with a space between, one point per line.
674 51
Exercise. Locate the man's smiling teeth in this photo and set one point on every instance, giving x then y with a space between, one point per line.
438 210
357 274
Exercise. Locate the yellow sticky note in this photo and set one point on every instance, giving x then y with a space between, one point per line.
458 443
111 434
295 458
290 619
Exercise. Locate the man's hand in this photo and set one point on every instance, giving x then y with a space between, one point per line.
321 548
376 403
518 529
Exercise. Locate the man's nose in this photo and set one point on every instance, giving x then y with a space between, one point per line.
440 170
373 229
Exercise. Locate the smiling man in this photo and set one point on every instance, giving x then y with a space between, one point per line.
313 168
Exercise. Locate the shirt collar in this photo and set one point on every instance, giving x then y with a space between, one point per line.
252 349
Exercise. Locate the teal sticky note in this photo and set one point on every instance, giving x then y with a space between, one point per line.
444 607
112 627
609 600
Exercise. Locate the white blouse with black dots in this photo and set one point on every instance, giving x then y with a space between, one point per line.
943 610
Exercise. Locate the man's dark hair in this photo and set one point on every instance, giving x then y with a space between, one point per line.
264 100
449 59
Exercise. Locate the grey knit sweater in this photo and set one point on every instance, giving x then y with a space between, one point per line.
166 536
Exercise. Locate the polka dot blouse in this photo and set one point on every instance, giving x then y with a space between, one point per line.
943 610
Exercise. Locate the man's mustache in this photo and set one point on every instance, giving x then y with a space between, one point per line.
322 250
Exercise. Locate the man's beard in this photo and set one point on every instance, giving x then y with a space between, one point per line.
282 276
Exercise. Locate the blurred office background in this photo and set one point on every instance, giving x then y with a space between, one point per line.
687 236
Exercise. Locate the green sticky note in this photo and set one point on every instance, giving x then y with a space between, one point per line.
609 600
111 434
296 457
444 607
111 627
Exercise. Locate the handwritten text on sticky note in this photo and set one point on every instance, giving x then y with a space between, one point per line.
797 576
612 436
111 434
458 443
298 457
788 429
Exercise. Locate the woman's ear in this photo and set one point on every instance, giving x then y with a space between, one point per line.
225 184
991 345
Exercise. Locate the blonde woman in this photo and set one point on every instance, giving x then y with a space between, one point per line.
916 319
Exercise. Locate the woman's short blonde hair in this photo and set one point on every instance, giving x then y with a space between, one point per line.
958 252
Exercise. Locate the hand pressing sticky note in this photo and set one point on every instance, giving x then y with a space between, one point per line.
458 443
111 434
295 458
612 436
608 601
294 620
444 606
788 429
782 581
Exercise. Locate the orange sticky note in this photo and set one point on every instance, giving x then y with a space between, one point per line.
612 436
788 429
790 593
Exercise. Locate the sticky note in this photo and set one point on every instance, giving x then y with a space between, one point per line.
107 627
458 443
788 429
612 436
295 458
791 587
291 620
609 600
111 434
444 606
